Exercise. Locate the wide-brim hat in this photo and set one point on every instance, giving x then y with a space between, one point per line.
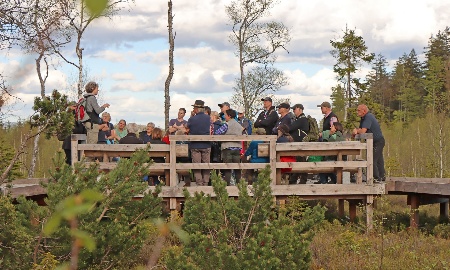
199 104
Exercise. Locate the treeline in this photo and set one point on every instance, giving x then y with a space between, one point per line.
411 99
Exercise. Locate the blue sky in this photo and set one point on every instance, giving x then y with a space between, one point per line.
128 55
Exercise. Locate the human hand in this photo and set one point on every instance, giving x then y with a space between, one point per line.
106 105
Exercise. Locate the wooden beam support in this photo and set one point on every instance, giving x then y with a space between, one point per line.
414 220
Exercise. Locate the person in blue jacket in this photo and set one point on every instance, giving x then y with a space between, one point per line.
252 151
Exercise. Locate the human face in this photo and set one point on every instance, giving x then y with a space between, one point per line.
227 117
149 129
181 114
267 104
105 118
224 108
95 92
361 111
325 110
121 125
298 111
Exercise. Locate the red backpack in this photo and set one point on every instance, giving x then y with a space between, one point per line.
81 114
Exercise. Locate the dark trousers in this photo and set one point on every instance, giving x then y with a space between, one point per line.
324 178
378 160
231 156
303 176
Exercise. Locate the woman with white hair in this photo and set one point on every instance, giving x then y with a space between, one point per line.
131 137
106 132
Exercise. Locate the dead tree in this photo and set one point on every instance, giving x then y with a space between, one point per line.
171 67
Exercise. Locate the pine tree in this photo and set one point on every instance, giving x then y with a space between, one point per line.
408 86
118 224
350 52
247 233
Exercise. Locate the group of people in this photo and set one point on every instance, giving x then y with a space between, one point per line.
289 126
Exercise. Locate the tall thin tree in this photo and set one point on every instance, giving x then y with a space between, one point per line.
171 66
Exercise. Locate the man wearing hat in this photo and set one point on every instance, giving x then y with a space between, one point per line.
223 108
329 116
244 122
298 130
285 119
199 124
268 117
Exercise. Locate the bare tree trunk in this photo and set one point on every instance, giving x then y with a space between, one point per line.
32 168
79 52
171 67
42 81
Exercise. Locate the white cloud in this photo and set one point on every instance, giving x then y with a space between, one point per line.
126 76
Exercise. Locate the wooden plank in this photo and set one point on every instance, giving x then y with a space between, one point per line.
369 158
305 146
322 164
369 213
346 191
27 191
218 166
112 165
222 138
420 180
129 149
275 173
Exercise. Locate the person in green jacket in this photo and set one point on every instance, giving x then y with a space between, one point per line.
335 134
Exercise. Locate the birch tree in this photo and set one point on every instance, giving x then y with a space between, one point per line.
256 41
79 14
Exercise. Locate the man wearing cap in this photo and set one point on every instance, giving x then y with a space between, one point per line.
285 119
329 116
267 118
199 124
223 108
299 129
244 122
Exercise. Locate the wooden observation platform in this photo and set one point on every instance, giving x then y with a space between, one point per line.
352 156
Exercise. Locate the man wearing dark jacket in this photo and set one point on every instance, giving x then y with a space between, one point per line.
300 126
329 116
199 124
267 118
299 129
285 117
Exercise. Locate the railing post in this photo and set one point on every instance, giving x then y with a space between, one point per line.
273 160
74 138
173 171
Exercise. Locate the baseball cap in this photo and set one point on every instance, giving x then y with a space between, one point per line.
267 99
298 106
284 105
224 103
325 104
